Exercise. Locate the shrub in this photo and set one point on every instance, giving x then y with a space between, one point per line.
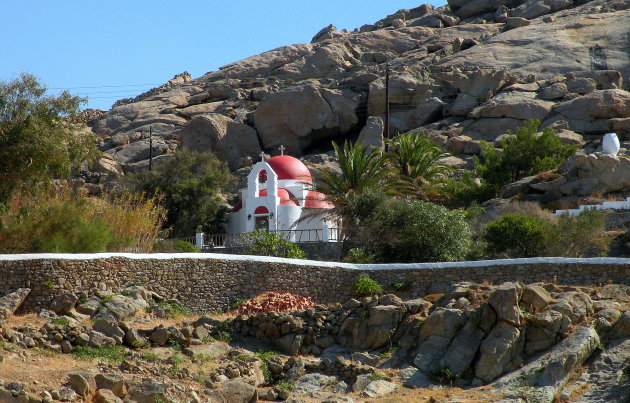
286 386
524 153
358 255
60 321
179 246
574 236
36 143
174 310
375 376
518 235
416 231
365 286
63 221
262 243
466 190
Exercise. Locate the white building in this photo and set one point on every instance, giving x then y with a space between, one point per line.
279 197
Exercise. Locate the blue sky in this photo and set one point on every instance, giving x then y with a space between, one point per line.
123 48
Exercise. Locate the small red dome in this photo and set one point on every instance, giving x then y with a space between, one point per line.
287 167
286 198
238 206
317 200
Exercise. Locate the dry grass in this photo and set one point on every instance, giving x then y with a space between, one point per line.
531 209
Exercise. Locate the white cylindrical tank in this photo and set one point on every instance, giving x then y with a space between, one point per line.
610 144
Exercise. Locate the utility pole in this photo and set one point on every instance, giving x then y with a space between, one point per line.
150 148
387 101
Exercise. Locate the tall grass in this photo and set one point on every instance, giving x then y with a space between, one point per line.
62 220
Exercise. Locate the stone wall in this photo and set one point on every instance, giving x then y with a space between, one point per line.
210 282
327 251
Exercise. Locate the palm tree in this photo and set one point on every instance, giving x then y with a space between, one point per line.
363 171
416 160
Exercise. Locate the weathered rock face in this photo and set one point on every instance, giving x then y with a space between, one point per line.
299 116
554 346
587 174
12 301
479 67
217 133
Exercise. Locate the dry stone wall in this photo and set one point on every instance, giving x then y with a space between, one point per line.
211 282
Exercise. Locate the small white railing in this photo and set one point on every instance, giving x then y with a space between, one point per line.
295 235
609 205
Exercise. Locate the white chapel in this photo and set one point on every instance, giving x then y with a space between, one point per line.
280 197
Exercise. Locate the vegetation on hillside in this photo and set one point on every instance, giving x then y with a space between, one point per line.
417 164
386 199
524 153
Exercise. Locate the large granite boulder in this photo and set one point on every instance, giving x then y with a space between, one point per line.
300 116
499 351
217 133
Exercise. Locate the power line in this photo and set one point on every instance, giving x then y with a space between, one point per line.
108 92
106 86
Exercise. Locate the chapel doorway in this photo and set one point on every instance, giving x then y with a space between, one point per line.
262 223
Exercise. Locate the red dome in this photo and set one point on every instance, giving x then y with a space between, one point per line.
317 200
286 197
238 206
287 167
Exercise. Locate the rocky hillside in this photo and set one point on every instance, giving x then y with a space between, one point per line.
463 72
539 342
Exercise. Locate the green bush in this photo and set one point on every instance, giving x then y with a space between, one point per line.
168 246
416 231
524 153
358 255
365 286
518 235
466 190
262 243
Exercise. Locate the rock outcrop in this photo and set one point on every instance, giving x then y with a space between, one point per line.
471 68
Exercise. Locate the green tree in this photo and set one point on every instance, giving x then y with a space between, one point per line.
415 231
194 187
416 161
36 142
524 153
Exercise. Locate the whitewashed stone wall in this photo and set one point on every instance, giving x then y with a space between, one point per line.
212 282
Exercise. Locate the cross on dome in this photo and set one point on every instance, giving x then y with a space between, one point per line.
281 149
